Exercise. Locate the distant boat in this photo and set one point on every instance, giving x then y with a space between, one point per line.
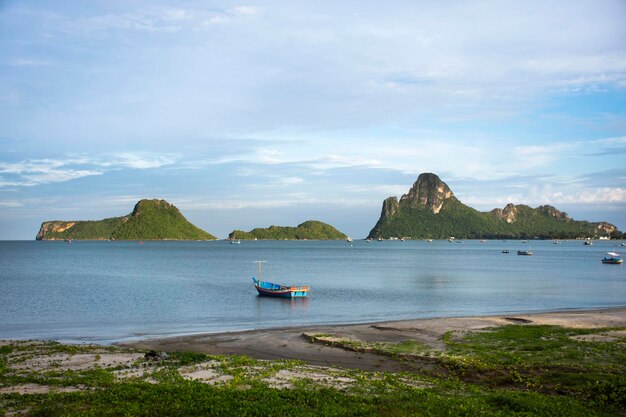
556 242
349 239
505 251
235 242
525 252
612 258
269 289
588 243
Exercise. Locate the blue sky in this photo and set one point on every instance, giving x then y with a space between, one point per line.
247 114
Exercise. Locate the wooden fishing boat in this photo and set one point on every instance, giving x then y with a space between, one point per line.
277 290
269 289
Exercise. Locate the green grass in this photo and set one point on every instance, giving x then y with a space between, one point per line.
515 370
545 359
185 398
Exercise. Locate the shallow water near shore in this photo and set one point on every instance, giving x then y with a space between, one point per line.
110 291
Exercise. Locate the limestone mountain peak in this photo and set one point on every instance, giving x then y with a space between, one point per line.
427 191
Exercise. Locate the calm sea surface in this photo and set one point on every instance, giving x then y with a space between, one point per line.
108 291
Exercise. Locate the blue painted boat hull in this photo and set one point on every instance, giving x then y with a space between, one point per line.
269 289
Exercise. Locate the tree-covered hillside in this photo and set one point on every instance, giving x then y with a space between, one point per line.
430 210
150 220
312 230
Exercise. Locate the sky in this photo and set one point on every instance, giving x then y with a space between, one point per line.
257 113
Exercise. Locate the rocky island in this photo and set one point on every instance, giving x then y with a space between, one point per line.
309 230
149 220
430 210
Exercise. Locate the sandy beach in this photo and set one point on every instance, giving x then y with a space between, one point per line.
295 342
424 364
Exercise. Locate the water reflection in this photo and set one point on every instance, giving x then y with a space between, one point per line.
280 307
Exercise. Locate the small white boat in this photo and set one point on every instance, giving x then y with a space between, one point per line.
588 243
525 252
235 242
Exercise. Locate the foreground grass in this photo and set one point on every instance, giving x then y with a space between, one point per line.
194 398
510 370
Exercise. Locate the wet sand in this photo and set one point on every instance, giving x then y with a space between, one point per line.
292 343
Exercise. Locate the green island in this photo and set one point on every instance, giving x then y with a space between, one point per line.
431 211
149 220
509 370
309 230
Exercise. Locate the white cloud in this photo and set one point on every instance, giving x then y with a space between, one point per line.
600 195
29 62
550 194
387 190
281 181
245 10
619 140
139 160
40 171
11 204
34 172
292 200
533 156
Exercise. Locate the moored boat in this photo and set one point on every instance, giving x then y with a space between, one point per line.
612 258
269 289
525 252
277 290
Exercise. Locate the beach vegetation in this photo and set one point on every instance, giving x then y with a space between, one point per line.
518 370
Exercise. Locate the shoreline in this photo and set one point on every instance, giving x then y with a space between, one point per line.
294 343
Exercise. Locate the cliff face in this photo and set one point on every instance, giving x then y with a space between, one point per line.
428 191
54 227
430 210
508 213
149 220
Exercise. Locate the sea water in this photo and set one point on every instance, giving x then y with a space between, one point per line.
102 291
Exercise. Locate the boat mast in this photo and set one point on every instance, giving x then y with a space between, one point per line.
259 267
